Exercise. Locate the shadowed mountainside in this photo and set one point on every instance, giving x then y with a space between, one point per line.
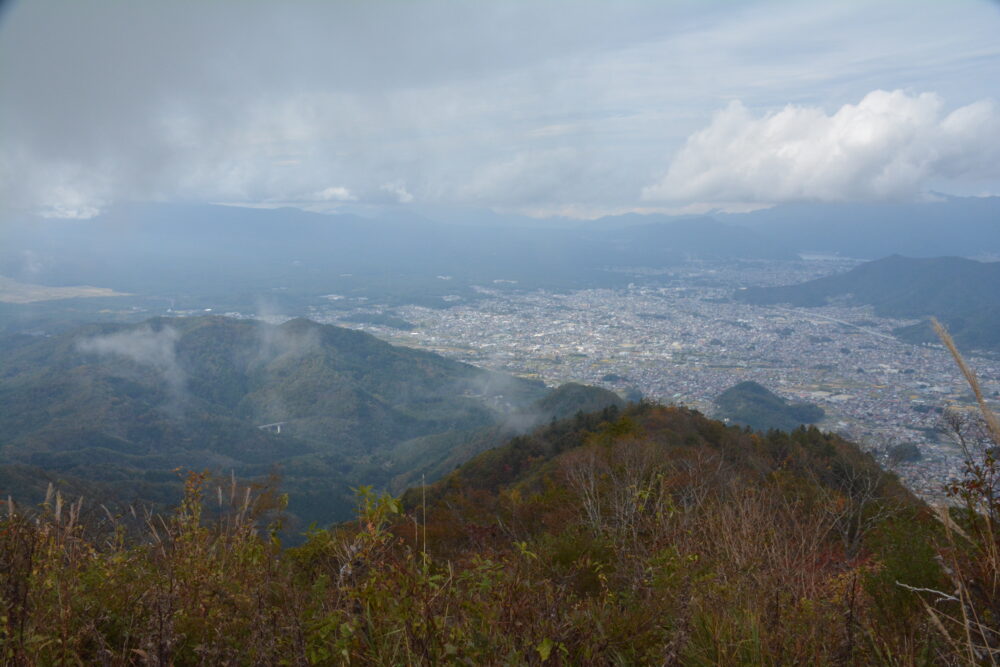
962 226
750 404
120 407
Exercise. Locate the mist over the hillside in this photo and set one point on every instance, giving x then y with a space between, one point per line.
144 346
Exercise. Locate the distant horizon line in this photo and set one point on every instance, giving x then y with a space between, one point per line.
567 213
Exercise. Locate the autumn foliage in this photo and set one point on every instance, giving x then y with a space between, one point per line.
645 536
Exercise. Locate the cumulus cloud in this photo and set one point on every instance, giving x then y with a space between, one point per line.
155 349
891 145
512 105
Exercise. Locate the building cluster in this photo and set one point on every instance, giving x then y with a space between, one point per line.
683 339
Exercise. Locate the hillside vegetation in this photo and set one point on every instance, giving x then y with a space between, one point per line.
753 405
649 535
112 410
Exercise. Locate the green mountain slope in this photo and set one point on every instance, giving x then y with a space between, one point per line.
531 462
644 535
329 408
962 293
750 404
443 453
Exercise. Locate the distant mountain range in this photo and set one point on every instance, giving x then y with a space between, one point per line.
286 260
242 253
190 259
174 248
963 294
961 226
116 409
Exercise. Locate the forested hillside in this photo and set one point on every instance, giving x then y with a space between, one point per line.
113 410
649 535
750 404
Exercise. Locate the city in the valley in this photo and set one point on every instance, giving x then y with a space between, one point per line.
684 340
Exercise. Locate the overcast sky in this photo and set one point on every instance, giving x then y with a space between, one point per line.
574 108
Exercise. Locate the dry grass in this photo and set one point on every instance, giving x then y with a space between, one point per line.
971 553
672 541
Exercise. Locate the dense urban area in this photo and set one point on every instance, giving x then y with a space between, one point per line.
684 340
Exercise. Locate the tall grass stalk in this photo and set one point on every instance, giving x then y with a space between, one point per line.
971 558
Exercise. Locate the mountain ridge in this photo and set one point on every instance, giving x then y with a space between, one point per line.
960 292
332 407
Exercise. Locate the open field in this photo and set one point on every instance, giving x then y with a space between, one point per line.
12 291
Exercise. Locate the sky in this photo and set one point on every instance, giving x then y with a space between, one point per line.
576 108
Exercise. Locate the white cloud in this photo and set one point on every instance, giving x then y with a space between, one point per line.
509 105
398 190
335 193
144 346
891 145
69 211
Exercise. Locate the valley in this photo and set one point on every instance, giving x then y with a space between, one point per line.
687 341
677 334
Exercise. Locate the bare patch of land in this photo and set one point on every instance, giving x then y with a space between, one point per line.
12 291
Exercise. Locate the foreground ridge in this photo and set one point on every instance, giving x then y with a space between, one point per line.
638 535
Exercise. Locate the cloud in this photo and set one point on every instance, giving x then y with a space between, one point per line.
145 346
891 145
398 190
336 193
283 341
570 104
31 263
68 202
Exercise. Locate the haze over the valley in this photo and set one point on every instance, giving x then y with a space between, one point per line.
660 199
